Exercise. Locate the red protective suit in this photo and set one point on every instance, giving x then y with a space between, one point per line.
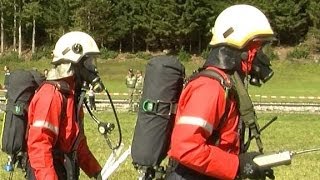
46 133
201 107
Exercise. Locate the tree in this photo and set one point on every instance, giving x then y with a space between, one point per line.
15 25
31 12
57 18
96 18
314 32
2 28
289 18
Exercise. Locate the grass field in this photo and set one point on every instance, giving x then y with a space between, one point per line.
290 132
290 78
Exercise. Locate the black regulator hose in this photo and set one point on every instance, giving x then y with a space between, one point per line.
108 127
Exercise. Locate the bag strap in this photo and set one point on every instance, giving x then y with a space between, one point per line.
227 84
213 74
247 113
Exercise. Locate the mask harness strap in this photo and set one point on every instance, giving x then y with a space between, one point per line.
247 113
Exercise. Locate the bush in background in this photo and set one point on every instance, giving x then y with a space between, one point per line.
10 57
108 54
184 55
44 53
270 52
205 53
143 55
299 52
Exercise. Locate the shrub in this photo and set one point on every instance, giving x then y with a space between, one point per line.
44 53
108 54
205 53
183 55
299 52
313 40
143 55
10 57
269 51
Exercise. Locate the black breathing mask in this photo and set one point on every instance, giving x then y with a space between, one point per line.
89 73
261 71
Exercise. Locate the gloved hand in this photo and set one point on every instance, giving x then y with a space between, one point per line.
97 177
250 170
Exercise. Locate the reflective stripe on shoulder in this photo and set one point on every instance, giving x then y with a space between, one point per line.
196 121
47 125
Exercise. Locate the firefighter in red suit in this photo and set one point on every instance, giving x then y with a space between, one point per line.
56 143
207 108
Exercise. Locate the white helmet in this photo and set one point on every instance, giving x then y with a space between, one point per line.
72 46
239 24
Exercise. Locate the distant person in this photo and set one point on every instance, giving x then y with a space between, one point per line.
45 72
6 77
130 83
138 88
92 99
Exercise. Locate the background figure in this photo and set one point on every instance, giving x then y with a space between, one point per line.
130 83
138 89
45 72
92 98
6 77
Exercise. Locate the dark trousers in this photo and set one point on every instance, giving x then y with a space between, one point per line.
92 103
179 172
65 168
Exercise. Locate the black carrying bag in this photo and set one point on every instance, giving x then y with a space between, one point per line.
22 86
162 87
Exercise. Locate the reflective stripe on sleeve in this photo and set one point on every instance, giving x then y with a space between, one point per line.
47 125
196 121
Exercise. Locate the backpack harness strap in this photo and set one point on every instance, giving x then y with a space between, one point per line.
210 73
247 113
226 83
167 108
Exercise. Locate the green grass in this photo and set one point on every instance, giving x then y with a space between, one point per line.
290 78
290 132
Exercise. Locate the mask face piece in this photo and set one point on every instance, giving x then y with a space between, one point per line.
89 73
261 71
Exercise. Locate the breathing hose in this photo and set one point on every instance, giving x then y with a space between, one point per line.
105 128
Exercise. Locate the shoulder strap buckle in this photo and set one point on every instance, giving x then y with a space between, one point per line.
159 107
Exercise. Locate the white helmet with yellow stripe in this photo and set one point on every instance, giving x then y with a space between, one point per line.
239 24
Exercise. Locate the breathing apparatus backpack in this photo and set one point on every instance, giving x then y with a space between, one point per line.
22 86
163 84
